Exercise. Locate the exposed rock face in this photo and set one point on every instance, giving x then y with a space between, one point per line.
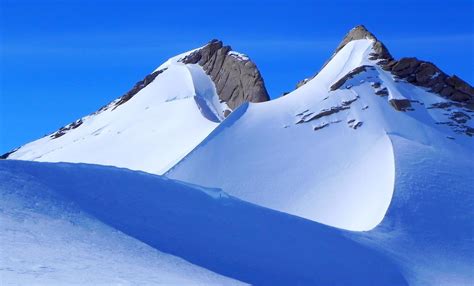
360 33
417 72
307 116
348 76
428 75
400 104
237 79
5 156
303 82
63 130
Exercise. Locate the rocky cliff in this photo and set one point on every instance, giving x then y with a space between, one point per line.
236 77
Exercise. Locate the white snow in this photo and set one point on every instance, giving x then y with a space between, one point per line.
343 174
46 239
428 228
80 224
348 180
150 132
384 195
402 178
238 56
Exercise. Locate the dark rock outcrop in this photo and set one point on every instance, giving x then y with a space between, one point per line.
348 76
426 74
359 33
138 86
236 78
315 128
307 116
303 82
400 104
382 92
5 156
412 70
63 130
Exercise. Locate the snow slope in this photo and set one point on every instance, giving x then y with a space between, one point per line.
320 152
68 223
429 227
46 239
340 153
150 132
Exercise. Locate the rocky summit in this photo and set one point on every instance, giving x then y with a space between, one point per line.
236 77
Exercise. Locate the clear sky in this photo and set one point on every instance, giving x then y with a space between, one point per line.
61 60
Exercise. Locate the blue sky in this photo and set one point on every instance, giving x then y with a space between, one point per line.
61 60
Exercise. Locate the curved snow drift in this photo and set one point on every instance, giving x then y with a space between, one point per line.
339 175
322 151
428 227
47 239
206 227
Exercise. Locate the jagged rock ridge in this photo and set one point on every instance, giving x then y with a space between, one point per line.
138 86
428 75
413 70
237 79
360 33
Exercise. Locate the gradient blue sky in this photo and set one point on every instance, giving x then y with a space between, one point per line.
61 60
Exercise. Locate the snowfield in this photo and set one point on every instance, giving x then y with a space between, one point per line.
319 153
48 240
429 226
171 116
357 177
73 223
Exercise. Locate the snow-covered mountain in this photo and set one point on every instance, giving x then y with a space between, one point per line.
368 144
326 150
360 176
161 118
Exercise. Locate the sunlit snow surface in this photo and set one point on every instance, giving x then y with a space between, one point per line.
349 190
150 132
68 223
337 169
47 239
400 176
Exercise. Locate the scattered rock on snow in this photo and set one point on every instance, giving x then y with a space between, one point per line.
348 76
65 129
320 126
400 104
382 92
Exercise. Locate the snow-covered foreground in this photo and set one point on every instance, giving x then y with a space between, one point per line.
48 238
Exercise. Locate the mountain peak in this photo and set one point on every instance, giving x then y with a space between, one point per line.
357 33
236 77
360 32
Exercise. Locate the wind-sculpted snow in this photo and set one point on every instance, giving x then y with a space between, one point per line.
322 151
207 228
428 229
151 131
317 154
47 239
